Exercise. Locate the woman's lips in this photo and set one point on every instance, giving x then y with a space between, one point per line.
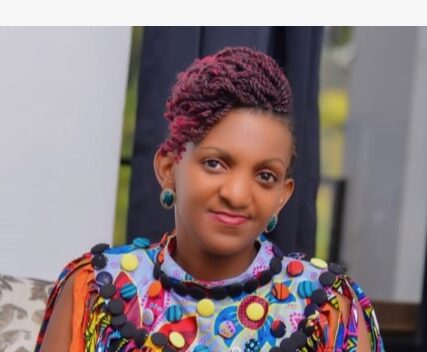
233 220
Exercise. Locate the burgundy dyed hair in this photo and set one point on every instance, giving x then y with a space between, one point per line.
210 87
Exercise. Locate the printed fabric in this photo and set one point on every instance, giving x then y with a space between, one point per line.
124 308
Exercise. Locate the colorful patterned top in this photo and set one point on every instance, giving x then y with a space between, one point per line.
137 298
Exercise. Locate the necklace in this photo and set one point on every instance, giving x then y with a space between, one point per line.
199 292
252 309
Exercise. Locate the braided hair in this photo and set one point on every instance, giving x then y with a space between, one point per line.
235 77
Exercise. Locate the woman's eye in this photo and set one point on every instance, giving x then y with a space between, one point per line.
268 177
211 163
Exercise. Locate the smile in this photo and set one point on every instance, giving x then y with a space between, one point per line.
227 219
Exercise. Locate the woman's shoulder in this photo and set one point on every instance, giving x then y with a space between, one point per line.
135 259
334 303
81 280
105 258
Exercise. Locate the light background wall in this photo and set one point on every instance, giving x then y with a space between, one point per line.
62 98
386 204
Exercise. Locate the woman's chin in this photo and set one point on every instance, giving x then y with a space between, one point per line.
223 246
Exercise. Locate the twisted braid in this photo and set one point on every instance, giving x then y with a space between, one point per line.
212 86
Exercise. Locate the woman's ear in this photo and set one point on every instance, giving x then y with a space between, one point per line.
164 169
287 190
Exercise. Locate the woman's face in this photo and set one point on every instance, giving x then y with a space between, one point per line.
238 168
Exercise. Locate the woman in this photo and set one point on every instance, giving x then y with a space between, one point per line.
215 283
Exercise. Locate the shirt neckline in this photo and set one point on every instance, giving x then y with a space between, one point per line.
260 263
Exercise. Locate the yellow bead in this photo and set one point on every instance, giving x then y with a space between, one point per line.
176 339
205 307
255 311
129 262
319 263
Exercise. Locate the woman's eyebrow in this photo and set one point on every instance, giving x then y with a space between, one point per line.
221 152
230 158
272 160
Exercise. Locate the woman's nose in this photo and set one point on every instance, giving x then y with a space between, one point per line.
236 190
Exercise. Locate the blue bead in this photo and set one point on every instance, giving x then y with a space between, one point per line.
120 250
201 348
167 198
174 313
252 346
128 291
141 242
272 223
306 288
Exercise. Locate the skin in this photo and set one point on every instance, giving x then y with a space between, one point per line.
221 173
224 173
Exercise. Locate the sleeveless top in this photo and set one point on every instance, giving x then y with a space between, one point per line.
137 298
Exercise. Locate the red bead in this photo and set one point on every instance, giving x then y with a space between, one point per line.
295 268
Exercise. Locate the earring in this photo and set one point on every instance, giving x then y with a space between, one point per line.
167 198
271 224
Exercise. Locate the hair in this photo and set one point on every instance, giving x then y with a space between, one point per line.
235 77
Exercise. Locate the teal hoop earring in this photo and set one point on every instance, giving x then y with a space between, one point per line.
167 198
271 224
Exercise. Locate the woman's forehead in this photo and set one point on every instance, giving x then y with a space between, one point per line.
249 129
242 132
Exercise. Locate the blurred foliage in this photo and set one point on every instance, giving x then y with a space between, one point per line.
129 122
324 204
340 36
333 114
132 93
122 202
333 107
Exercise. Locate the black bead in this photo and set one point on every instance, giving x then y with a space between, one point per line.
278 330
114 345
197 292
327 278
302 324
156 271
140 337
219 292
250 286
309 330
288 345
319 297
235 290
337 268
107 291
265 277
311 309
276 265
115 306
99 261
168 348
103 278
165 281
275 349
300 338
118 320
128 330
159 339
179 288
99 248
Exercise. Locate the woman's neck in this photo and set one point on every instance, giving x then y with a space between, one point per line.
205 266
